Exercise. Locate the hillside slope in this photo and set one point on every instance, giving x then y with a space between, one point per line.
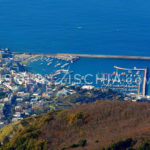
89 127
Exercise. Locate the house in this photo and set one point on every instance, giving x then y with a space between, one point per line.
63 92
19 100
87 87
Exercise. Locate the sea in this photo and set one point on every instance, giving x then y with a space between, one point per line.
111 27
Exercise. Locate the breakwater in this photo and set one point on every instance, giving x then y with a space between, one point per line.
26 57
108 56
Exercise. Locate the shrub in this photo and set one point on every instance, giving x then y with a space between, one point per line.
81 143
77 119
121 145
145 146
24 123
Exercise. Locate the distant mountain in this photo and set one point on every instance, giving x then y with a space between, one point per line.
111 125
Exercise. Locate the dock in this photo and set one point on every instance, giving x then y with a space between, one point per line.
70 56
144 78
74 57
107 56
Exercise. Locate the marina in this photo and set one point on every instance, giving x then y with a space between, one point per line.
130 79
127 82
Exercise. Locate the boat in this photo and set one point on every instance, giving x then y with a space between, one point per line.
57 65
49 63
66 64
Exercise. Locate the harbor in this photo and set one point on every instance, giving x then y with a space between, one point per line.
59 65
126 74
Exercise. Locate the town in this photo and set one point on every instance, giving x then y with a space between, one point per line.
25 94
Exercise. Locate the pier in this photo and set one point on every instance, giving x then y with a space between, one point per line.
108 56
144 78
73 57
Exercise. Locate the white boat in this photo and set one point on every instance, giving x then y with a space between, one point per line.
66 64
57 65
49 63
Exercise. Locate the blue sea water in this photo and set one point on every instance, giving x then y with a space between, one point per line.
76 26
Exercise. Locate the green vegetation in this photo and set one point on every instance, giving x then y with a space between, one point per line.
144 146
128 144
81 143
9 130
121 145
77 119
83 96
28 135
3 94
